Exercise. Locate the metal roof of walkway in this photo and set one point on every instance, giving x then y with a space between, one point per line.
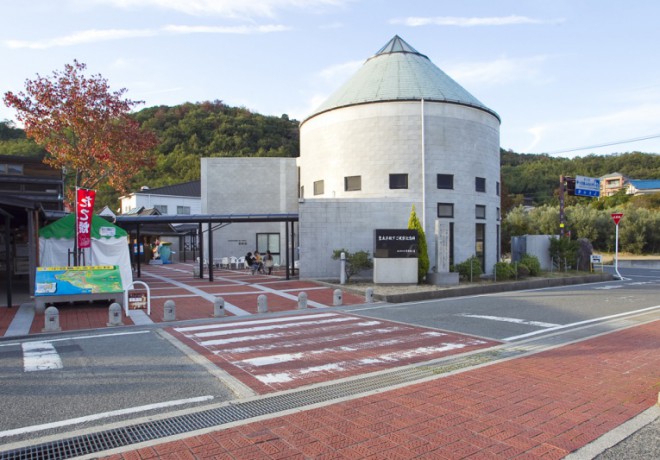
130 222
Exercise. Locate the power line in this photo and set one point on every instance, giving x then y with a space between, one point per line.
626 141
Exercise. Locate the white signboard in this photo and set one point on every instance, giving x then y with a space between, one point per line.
596 259
587 186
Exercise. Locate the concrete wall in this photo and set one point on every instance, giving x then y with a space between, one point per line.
247 186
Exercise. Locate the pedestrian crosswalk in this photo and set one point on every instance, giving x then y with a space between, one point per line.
290 351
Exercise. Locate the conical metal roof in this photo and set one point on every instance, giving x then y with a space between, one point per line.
398 72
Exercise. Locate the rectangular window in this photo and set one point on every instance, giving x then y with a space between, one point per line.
269 242
497 188
480 184
480 211
498 216
15 169
480 244
318 187
161 208
446 210
398 181
446 181
352 183
183 210
3 168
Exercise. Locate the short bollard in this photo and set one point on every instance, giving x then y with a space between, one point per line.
51 320
262 304
169 311
302 301
219 307
196 271
114 315
369 295
336 298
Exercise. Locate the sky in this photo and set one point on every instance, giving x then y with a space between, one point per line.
567 77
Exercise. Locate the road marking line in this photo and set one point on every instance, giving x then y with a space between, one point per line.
254 321
79 337
40 356
511 320
579 323
102 415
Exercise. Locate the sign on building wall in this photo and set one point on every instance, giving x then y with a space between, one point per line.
395 243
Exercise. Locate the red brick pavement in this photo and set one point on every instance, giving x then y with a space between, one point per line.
540 406
237 287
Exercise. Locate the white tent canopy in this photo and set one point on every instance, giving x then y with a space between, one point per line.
109 246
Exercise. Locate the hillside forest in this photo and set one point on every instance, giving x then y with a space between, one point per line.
191 131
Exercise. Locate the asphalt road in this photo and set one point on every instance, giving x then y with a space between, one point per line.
134 373
517 315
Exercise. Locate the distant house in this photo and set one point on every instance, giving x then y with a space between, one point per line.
171 200
611 184
643 187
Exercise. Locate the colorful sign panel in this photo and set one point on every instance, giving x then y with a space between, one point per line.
395 243
84 212
587 186
616 217
92 279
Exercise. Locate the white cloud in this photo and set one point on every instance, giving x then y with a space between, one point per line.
93 36
241 30
226 8
470 22
78 38
564 135
340 72
499 71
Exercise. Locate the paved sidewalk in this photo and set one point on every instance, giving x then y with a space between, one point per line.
193 298
544 405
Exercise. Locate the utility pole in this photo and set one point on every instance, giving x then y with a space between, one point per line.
562 217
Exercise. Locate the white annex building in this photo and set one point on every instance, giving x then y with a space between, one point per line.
399 133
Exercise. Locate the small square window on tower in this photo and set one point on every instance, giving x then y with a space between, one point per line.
398 181
352 183
480 184
446 181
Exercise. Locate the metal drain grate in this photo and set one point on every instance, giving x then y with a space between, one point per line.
120 437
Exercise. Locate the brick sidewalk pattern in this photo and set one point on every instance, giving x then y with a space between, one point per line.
237 287
539 406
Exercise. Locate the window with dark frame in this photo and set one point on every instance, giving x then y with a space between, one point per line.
497 188
480 184
446 210
398 181
480 243
445 181
319 187
352 183
480 211
183 210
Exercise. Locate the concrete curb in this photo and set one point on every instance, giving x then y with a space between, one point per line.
486 288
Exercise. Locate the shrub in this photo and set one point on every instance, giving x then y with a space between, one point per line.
423 262
522 270
532 262
504 271
471 266
355 261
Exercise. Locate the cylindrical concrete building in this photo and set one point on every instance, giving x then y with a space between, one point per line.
399 133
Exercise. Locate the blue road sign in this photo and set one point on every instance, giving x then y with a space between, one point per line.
587 186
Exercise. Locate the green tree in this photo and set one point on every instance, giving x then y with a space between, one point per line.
423 263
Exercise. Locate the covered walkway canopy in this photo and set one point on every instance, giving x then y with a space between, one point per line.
133 222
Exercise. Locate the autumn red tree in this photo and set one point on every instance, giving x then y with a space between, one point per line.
85 128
